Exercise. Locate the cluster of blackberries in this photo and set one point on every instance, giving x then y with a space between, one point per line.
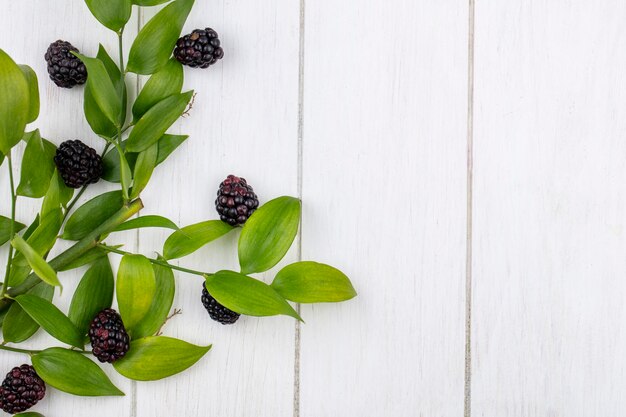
236 200
65 69
108 336
21 389
78 164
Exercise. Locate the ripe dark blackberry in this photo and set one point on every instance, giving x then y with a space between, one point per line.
21 389
109 340
217 311
236 201
78 164
201 48
65 69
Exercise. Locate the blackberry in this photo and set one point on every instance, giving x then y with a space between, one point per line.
201 48
21 389
78 164
236 201
65 69
109 340
217 311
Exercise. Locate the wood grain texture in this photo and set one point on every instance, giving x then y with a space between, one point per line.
385 107
549 209
244 122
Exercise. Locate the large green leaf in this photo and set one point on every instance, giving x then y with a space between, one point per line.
93 294
149 2
72 372
18 326
37 167
92 214
5 229
312 282
116 77
246 295
268 234
145 221
155 42
51 319
168 144
191 238
136 286
102 89
162 84
14 103
161 303
158 357
111 13
33 93
44 236
29 414
98 122
36 261
143 169
151 127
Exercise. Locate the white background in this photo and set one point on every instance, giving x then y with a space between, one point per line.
452 157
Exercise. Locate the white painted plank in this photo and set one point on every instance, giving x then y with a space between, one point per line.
385 106
244 122
26 30
550 213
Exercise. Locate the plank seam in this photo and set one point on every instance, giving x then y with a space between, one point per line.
297 333
467 403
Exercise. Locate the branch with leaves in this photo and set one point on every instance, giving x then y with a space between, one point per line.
135 142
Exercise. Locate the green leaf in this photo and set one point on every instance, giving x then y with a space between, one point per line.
246 295
87 258
93 294
72 372
158 357
161 303
111 13
146 221
44 236
143 169
168 144
102 89
268 234
33 93
5 229
125 174
98 122
151 127
14 103
312 282
37 167
155 42
136 286
51 319
164 83
18 326
149 2
116 77
36 262
29 414
92 214
58 195
191 238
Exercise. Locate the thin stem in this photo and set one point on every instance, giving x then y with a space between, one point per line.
12 225
12 349
73 203
120 45
156 261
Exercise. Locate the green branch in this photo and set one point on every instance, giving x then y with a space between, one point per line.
11 227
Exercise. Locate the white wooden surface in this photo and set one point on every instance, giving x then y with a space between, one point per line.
361 108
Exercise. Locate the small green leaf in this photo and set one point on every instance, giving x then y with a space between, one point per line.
98 122
51 319
44 236
33 93
37 167
36 262
136 286
161 303
168 144
111 13
102 89
268 234
92 214
116 77
18 326
151 127
246 295
58 195
93 294
14 103
87 258
72 372
158 357
191 238
29 414
312 282
125 173
164 83
149 2
5 229
143 169
155 42
146 221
